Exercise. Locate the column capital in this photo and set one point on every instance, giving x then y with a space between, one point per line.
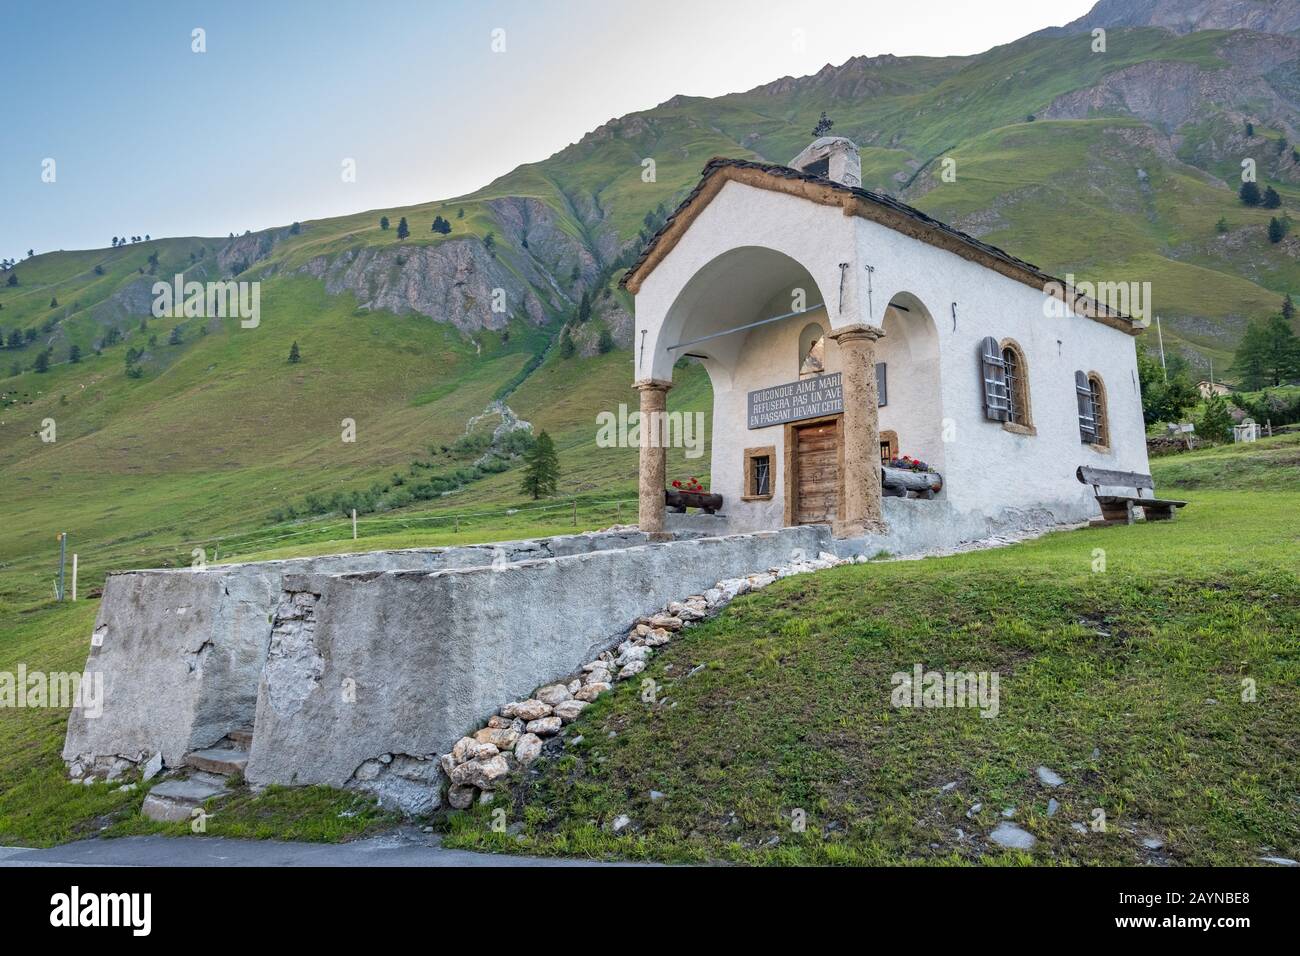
652 384
856 332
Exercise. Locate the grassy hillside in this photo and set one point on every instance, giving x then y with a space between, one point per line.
1127 682
219 433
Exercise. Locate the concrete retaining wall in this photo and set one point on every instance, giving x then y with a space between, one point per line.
388 670
360 670
182 651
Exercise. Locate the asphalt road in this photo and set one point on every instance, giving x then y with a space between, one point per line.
400 849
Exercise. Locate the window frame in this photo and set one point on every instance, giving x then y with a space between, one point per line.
1019 405
750 473
1100 411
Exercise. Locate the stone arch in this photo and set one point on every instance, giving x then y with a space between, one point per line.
730 290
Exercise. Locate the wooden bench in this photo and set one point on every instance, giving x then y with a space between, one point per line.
1118 509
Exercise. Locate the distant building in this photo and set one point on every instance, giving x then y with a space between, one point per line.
1213 388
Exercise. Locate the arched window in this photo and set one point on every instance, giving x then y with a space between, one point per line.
1016 370
812 350
1094 419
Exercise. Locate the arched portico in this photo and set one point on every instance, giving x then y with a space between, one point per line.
744 314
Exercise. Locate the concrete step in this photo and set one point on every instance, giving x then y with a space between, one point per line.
222 760
241 738
175 800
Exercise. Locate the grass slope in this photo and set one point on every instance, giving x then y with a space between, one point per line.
1127 682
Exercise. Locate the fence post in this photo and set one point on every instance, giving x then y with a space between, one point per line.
575 512
74 577
63 559
354 524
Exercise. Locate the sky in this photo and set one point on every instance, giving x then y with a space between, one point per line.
149 136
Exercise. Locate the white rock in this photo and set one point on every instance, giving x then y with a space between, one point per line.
633 654
666 621
551 694
152 767
686 612
460 797
575 686
591 691
1013 837
827 557
601 676
498 738
657 637
484 774
631 670
460 752
569 710
593 665
1049 778
621 822
544 726
531 709
528 749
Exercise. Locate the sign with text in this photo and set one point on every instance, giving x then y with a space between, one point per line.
808 398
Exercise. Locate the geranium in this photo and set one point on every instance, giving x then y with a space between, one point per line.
907 463
689 486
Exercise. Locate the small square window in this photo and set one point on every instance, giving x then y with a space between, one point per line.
759 479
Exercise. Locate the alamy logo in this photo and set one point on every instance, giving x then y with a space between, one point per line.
58 689
666 430
925 689
73 909
1132 299
190 300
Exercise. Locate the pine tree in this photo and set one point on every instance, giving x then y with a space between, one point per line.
42 363
1288 308
294 355
1249 194
823 126
605 343
1221 226
1249 361
402 229
12 280
1250 130
74 354
1276 230
54 302
175 337
1281 350
584 308
1271 199
566 344
383 223
541 468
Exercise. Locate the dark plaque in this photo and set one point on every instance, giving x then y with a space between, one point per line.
809 398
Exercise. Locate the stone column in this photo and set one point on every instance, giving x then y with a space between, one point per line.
862 510
650 512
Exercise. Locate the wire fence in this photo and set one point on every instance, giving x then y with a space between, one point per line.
375 525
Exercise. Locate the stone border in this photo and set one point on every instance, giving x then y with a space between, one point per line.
512 739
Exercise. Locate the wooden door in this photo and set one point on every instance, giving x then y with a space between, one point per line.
817 473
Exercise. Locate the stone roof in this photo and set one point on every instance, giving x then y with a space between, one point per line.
928 229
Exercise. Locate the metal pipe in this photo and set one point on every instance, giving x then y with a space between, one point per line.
742 328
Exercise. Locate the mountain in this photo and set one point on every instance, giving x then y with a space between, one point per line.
1187 16
1116 165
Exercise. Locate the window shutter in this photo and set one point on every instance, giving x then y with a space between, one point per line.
882 392
993 373
1087 421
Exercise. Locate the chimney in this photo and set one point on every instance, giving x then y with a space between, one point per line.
834 157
